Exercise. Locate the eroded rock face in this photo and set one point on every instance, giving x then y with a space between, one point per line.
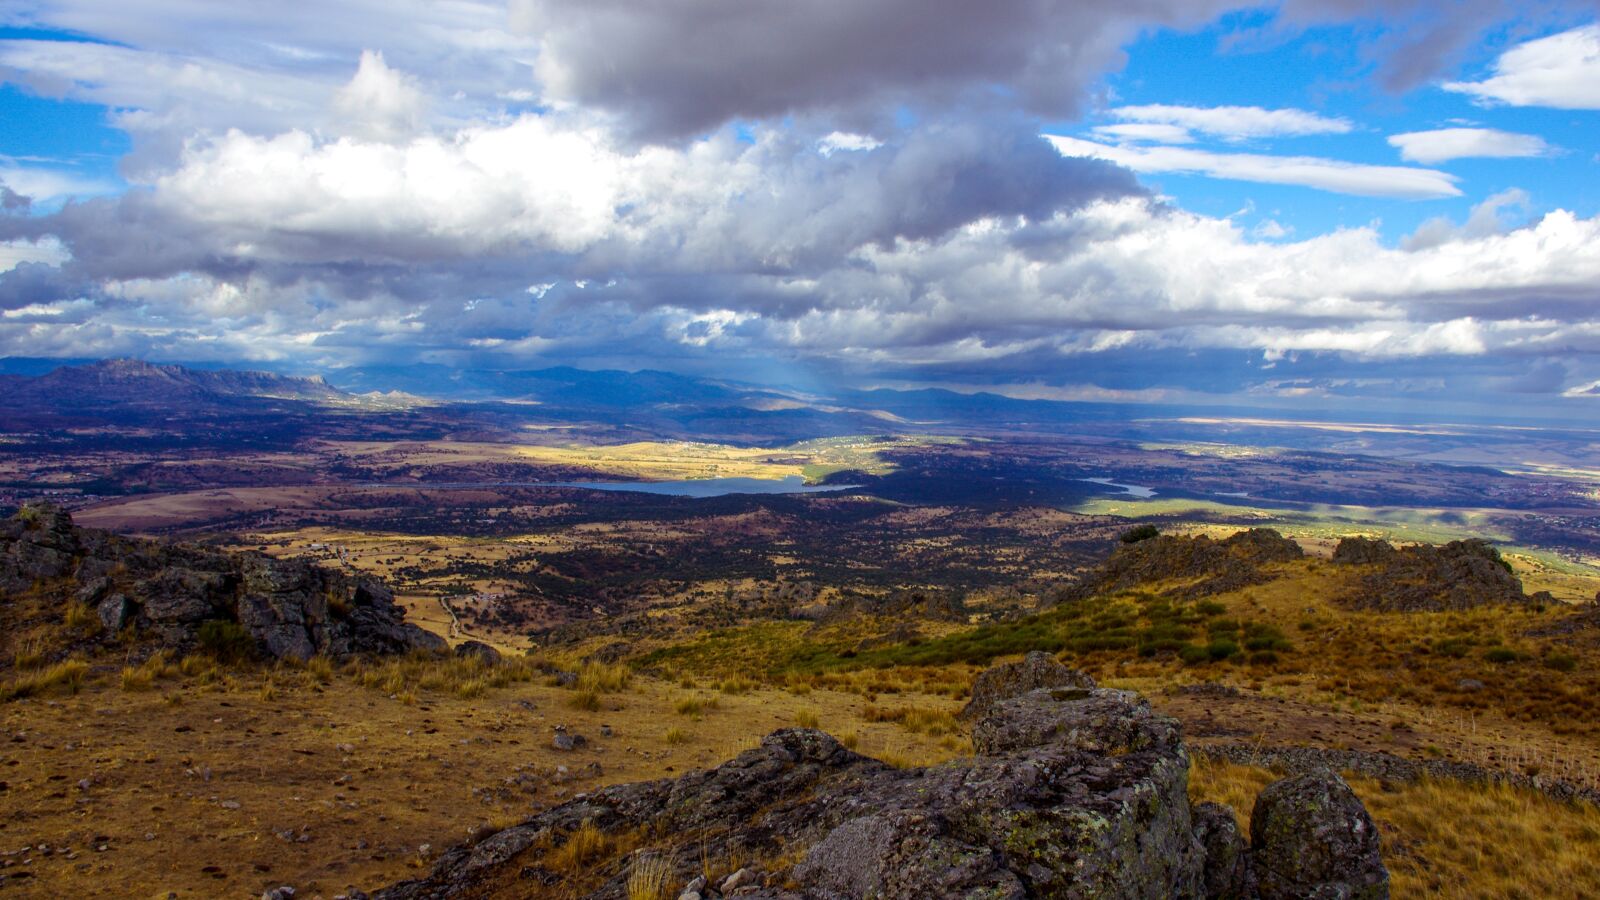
289 608
1213 567
1037 670
1074 792
1428 578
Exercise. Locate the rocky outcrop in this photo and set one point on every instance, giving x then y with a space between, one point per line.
1036 670
1428 578
1073 791
1203 566
284 608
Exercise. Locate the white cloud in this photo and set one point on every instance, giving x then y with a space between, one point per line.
1142 131
45 185
1444 144
1235 123
380 102
1307 171
1591 389
1562 70
843 140
1272 230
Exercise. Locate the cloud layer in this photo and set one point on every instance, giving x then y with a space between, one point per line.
858 187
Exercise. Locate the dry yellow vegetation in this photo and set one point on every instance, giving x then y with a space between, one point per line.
1449 838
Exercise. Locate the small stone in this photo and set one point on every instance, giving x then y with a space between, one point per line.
738 880
568 742
1470 685
230 804
283 892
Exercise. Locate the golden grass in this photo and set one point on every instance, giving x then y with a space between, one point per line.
588 701
1451 839
604 678
80 617
67 675
676 735
916 719
806 718
651 878
694 706
583 846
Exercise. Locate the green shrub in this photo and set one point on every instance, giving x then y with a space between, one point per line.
1561 662
1501 655
1222 648
1140 533
1193 654
226 641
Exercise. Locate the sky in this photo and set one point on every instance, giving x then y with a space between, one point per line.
1309 204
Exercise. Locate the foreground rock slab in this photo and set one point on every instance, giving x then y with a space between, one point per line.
1074 791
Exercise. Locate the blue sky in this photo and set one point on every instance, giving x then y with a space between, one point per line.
1323 70
1314 203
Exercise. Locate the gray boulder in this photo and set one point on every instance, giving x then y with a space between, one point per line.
479 651
1311 837
1073 792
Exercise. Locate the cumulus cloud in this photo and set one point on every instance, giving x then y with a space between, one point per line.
1235 123
1444 144
380 102
1306 171
1562 71
1490 217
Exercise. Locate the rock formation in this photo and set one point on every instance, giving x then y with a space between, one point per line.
174 592
1453 576
1073 791
1209 566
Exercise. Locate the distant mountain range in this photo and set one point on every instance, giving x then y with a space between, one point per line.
129 382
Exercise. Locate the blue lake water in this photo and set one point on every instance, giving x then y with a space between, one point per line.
709 487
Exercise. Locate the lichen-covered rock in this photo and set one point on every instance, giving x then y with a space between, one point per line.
1036 670
1311 837
290 608
1227 866
1073 793
1096 808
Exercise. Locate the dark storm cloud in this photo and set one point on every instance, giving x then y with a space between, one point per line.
682 67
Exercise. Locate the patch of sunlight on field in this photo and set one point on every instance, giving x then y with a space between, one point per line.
1320 519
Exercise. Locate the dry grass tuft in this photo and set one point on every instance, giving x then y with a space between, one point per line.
676 735
66 675
806 718
583 846
652 878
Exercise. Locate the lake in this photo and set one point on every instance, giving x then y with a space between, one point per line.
1132 490
709 487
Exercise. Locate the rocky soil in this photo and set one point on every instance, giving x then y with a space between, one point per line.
1073 791
180 595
